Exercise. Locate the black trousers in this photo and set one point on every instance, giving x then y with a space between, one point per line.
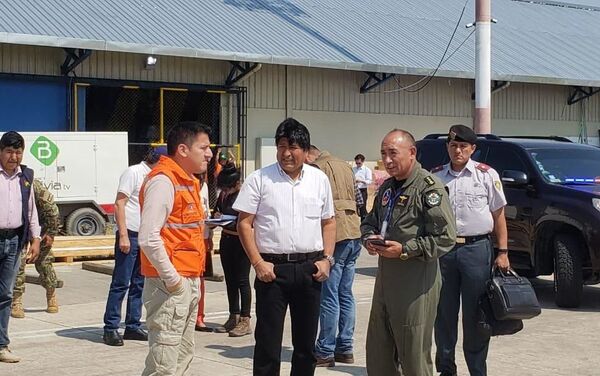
362 210
294 286
236 267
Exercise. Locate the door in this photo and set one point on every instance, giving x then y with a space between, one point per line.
519 209
76 168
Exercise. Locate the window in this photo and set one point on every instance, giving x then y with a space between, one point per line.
432 154
501 159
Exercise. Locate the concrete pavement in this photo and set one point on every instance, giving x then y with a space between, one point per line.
558 342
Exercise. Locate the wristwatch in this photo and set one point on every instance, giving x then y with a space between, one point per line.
403 255
330 258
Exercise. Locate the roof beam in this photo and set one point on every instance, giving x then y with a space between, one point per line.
580 93
374 80
73 59
240 70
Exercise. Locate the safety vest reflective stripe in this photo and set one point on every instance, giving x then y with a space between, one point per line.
183 225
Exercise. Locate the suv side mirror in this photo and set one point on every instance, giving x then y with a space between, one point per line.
514 178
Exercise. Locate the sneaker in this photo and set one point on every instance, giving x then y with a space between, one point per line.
6 356
326 362
344 358
231 322
243 328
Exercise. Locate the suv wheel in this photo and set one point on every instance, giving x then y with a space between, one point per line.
568 280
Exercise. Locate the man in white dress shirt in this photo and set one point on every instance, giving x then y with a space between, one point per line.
287 227
478 202
363 176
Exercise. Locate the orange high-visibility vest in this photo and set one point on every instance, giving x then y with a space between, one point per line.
182 233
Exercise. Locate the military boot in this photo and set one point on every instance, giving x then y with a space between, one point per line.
231 322
52 302
16 310
242 328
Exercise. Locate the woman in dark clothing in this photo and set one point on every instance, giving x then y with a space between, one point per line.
236 264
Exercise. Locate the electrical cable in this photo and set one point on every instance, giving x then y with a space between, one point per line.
442 60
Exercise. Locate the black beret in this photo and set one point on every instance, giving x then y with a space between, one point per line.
462 133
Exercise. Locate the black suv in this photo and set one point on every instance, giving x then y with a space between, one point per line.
552 186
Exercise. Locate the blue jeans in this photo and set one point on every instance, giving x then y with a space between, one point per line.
338 311
10 259
126 277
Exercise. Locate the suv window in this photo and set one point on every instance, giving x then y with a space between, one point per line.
432 154
567 165
505 159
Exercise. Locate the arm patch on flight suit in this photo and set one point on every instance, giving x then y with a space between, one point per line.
433 198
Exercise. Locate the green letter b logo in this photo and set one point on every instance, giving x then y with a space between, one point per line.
44 150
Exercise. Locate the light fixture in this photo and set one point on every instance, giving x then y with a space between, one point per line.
150 62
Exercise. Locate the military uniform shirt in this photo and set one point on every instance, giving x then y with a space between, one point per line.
475 192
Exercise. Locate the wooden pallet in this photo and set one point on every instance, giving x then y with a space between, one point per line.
71 248
82 248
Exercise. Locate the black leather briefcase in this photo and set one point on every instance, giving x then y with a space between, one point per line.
487 324
512 297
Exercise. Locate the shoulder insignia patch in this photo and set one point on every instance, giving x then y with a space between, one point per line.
498 184
433 198
429 180
436 169
482 167
387 195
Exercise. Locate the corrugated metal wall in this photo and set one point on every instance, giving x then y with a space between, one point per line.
314 89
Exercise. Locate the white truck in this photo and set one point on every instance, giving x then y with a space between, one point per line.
82 170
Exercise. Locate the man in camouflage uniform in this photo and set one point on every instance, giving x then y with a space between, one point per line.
410 227
50 222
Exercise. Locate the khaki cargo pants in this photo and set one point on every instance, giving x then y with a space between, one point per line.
170 319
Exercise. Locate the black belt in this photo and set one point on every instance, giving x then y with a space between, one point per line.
286 258
471 239
10 233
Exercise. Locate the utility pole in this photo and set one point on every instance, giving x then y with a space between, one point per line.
483 67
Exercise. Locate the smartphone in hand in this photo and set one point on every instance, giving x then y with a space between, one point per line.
376 241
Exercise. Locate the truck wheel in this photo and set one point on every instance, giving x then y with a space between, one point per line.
568 280
85 222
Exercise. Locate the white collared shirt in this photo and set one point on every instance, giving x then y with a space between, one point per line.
474 195
363 173
130 183
288 213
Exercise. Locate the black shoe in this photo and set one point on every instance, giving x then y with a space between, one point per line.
448 373
112 338
203 328
136 335
344 358
214 278
326 362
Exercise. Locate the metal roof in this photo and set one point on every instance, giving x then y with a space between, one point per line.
532 41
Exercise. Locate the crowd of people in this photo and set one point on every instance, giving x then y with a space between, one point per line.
301 224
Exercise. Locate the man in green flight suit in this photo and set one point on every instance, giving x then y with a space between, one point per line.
50 222
410 227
